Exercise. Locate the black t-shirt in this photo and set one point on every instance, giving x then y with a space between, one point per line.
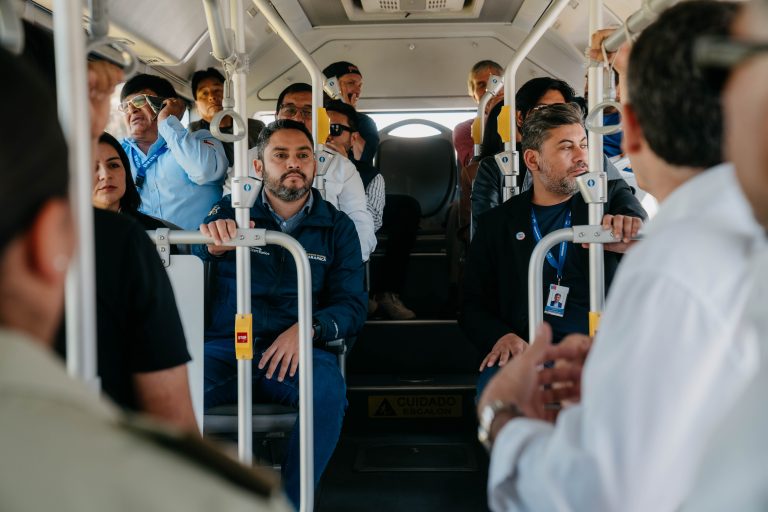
138 325
575 318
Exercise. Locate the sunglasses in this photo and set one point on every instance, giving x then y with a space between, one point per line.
138 101
715 57
292 110
338 129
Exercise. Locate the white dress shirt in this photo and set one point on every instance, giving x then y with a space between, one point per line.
344 190
734 472
665 367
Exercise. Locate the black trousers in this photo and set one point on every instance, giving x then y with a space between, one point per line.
401 223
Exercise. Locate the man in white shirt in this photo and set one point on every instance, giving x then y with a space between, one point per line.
343 185
666 365
734 474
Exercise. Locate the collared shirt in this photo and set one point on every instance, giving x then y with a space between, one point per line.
665 368
288 225
50 420
732 475
344 190
185 181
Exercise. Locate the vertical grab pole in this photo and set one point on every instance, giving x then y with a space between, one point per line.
242 254
319 117
595 140
508 160
74 115
306 395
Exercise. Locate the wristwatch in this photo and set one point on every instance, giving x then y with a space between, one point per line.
318 328
488 416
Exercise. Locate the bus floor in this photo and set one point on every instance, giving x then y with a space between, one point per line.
388 472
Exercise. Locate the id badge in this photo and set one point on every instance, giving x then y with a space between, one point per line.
556 301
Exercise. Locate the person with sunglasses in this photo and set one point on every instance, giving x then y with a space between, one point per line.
344 187
397 214
670 358
179 174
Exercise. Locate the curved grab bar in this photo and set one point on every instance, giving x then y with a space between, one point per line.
130 61
590 122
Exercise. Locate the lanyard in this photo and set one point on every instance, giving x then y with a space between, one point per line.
560 263
141 169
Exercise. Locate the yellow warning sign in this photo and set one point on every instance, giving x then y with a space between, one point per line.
414 406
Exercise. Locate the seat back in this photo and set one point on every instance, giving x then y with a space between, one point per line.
186 274
422 167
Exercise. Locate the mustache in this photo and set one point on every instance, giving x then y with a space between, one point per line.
286 175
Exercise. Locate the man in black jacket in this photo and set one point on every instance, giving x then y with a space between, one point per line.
495 310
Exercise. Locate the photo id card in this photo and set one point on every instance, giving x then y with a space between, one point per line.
556 301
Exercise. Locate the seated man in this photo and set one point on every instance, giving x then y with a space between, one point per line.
488 184
495 309
287 203
670 358
351 85
399 217
477 84
179 174
208 91
343 184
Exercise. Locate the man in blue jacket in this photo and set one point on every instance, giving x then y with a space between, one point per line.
287 203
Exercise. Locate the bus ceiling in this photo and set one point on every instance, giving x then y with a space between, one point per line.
171 38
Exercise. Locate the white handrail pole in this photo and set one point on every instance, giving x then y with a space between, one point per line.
522 52
74 115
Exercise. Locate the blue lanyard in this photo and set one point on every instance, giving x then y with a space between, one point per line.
141 169
557 265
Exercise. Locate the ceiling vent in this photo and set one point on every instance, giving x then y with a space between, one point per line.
412 10
412 6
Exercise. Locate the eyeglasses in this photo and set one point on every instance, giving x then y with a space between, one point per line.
138 101
715 56
337 129
292 110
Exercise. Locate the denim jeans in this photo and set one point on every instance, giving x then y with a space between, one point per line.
329 402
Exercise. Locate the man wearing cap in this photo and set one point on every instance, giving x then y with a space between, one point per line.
351 84
179 174
208 91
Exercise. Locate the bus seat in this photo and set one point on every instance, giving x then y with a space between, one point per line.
421 167
186 274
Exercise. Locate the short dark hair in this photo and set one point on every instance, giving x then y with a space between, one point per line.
274 127
533 90
680 114
201 75
537 125
33 169
292 89
156 84
494 66
346 110
131 200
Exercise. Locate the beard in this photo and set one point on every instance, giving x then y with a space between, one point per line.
562 185
284 192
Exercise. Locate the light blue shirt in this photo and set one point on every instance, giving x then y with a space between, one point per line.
186 180
288 225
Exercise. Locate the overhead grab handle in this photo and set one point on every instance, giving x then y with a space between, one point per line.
11 28
331 87
593 118
107 47
228 110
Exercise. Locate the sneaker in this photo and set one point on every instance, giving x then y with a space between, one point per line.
372 306
391 305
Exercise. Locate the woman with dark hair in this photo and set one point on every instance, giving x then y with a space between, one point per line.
113 187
